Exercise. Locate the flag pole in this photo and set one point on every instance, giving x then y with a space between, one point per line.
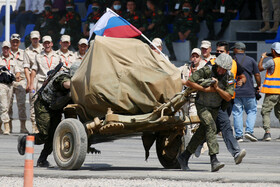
108 9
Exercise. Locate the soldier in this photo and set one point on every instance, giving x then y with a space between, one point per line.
19 86
66 56
71 24
206 50
156 26
134 17
92 18
44 62
6 87
83 46
29 59
208 103
47 22
185 28
116 7
48 114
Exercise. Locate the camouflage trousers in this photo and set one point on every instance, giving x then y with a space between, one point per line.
46 120
31 101
270 101
206 130
5 100
20 92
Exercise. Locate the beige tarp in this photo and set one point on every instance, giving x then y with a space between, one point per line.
125 75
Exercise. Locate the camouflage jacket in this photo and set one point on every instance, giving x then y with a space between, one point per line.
136 19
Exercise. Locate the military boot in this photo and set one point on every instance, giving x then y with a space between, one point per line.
1 131
215 164
11 126
23 127
266 27
275 27
34 128
21 144
183 160
6 128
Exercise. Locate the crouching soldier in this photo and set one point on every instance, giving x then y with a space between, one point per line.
208 102
48 112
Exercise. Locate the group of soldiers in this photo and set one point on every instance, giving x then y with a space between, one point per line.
30 67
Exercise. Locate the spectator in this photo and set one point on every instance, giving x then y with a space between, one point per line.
6 87
92 18
19 85
80 54
200 9
59 7
158 43
266 12
245 94
137 19
156 25
117 7
47 22
206 50
225 9
29 59
271 87
70 24
185 28
66 56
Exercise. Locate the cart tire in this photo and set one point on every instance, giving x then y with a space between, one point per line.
169 160
70 144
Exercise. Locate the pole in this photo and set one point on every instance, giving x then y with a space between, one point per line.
28 164
7 21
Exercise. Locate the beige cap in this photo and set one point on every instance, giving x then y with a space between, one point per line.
157 42
205 44
83 41
34 34
65 38
197 51
47 39
6 44
15 36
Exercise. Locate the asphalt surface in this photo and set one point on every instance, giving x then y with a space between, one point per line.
124 159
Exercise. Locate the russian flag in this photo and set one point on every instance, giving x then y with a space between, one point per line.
112 25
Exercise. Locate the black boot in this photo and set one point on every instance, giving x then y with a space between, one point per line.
183 160
42 161
21 144
215 164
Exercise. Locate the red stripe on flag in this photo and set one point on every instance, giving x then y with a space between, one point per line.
125 31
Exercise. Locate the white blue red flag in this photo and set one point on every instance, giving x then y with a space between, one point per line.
112 25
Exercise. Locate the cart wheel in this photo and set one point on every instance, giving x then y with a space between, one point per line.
167 156
70 144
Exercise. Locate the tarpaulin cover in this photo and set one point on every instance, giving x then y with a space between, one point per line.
125 75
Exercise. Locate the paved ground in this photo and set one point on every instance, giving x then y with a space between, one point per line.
124 159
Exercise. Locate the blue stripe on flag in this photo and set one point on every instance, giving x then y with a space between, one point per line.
272 79
267 86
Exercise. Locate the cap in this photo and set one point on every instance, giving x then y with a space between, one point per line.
34 34
197 51
157 42
6 44
48 2
83 41
70 3
239 45
15 36
65 38
47 39
276 47
224 61
205 44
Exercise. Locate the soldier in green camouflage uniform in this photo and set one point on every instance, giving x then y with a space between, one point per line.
48 111
185 28
200 9
208 102
156 27
92 18
134 17
70 24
